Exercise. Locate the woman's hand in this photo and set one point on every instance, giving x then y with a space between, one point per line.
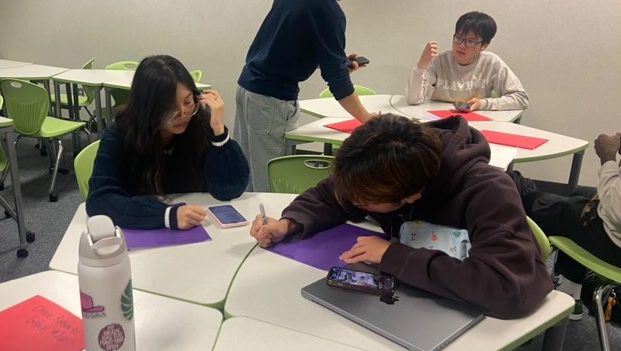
212 99
270 232
189 216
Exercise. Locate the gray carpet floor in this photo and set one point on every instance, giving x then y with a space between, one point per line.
49 221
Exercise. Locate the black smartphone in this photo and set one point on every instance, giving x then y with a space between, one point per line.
372 283
461 106
361 60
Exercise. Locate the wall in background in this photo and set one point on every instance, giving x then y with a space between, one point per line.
566 54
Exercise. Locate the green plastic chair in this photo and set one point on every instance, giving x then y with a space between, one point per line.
83 166
28 104
120 96
83 100
542 240
196 74
599 267
295 174
4 163
359 89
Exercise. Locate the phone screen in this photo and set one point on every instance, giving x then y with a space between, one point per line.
227 214
363 280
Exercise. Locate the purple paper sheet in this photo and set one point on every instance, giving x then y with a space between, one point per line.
324 248
151 238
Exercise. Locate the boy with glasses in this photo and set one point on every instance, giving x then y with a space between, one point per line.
467 73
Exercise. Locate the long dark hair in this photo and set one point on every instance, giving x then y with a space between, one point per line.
151 99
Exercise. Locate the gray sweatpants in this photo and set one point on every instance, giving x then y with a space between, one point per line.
260 125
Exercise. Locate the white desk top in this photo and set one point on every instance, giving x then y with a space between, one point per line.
242 334
33 72
329 107
399 103
10 63
557 145
102 77
200 272
161 323
265 280
5 122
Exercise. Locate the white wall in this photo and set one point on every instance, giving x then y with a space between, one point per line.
567 54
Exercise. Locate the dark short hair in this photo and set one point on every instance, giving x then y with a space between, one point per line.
481 24
385 160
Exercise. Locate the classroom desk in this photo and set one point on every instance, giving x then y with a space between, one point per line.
330 107
6 138
199 273
266 280
242 334
32 72
161 323
98 79
11 64
557 146
398 102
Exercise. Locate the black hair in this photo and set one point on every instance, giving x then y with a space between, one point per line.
481 24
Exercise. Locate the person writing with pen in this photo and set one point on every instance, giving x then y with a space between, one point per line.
398 172
170 138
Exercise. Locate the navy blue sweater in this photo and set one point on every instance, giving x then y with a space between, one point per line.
295 38
113 190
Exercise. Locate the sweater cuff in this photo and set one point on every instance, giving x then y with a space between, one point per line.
219 140
166 217
172 216
393 260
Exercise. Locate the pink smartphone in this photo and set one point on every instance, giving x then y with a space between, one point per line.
226 216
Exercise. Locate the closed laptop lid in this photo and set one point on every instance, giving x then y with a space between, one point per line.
417 321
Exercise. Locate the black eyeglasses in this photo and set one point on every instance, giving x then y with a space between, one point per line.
187 110
458 39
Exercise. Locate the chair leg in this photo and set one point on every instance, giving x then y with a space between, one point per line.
59 153
598 294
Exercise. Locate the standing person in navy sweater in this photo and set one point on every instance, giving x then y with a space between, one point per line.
295 38
171 138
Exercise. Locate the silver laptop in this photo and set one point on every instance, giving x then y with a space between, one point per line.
418 320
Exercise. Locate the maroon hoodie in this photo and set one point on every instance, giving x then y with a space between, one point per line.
504 272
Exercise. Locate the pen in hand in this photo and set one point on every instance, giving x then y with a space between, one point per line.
263 216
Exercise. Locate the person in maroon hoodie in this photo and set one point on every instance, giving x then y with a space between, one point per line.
396 171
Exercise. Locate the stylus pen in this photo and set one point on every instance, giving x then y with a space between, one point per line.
262 210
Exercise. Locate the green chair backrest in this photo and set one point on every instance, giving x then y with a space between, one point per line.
295 174
359 89
83 166
26 103
3 160
586 259
541 238
89 91
123 66
1 101
196 74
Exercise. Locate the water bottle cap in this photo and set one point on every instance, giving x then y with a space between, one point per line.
102 244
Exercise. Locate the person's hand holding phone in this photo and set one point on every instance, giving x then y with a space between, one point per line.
475 104
212 99
366 249
189 216
430 52
268 231
355 62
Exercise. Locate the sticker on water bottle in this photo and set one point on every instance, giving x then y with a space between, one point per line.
89 309
111 337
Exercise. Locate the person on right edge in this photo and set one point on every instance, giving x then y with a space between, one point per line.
591 217
467 73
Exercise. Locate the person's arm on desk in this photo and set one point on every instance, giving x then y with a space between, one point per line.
353 105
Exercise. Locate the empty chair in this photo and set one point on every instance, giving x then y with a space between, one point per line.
83 100
295 174
359 89
83 166
121 96
28 104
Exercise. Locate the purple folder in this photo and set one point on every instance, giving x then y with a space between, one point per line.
324 248
151 238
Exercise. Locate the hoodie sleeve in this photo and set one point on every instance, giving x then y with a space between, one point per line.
317 209
504 272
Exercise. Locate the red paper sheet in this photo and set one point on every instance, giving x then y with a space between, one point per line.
521 141
468 116
345 126
39 324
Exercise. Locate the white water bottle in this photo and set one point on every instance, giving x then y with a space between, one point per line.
104 274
